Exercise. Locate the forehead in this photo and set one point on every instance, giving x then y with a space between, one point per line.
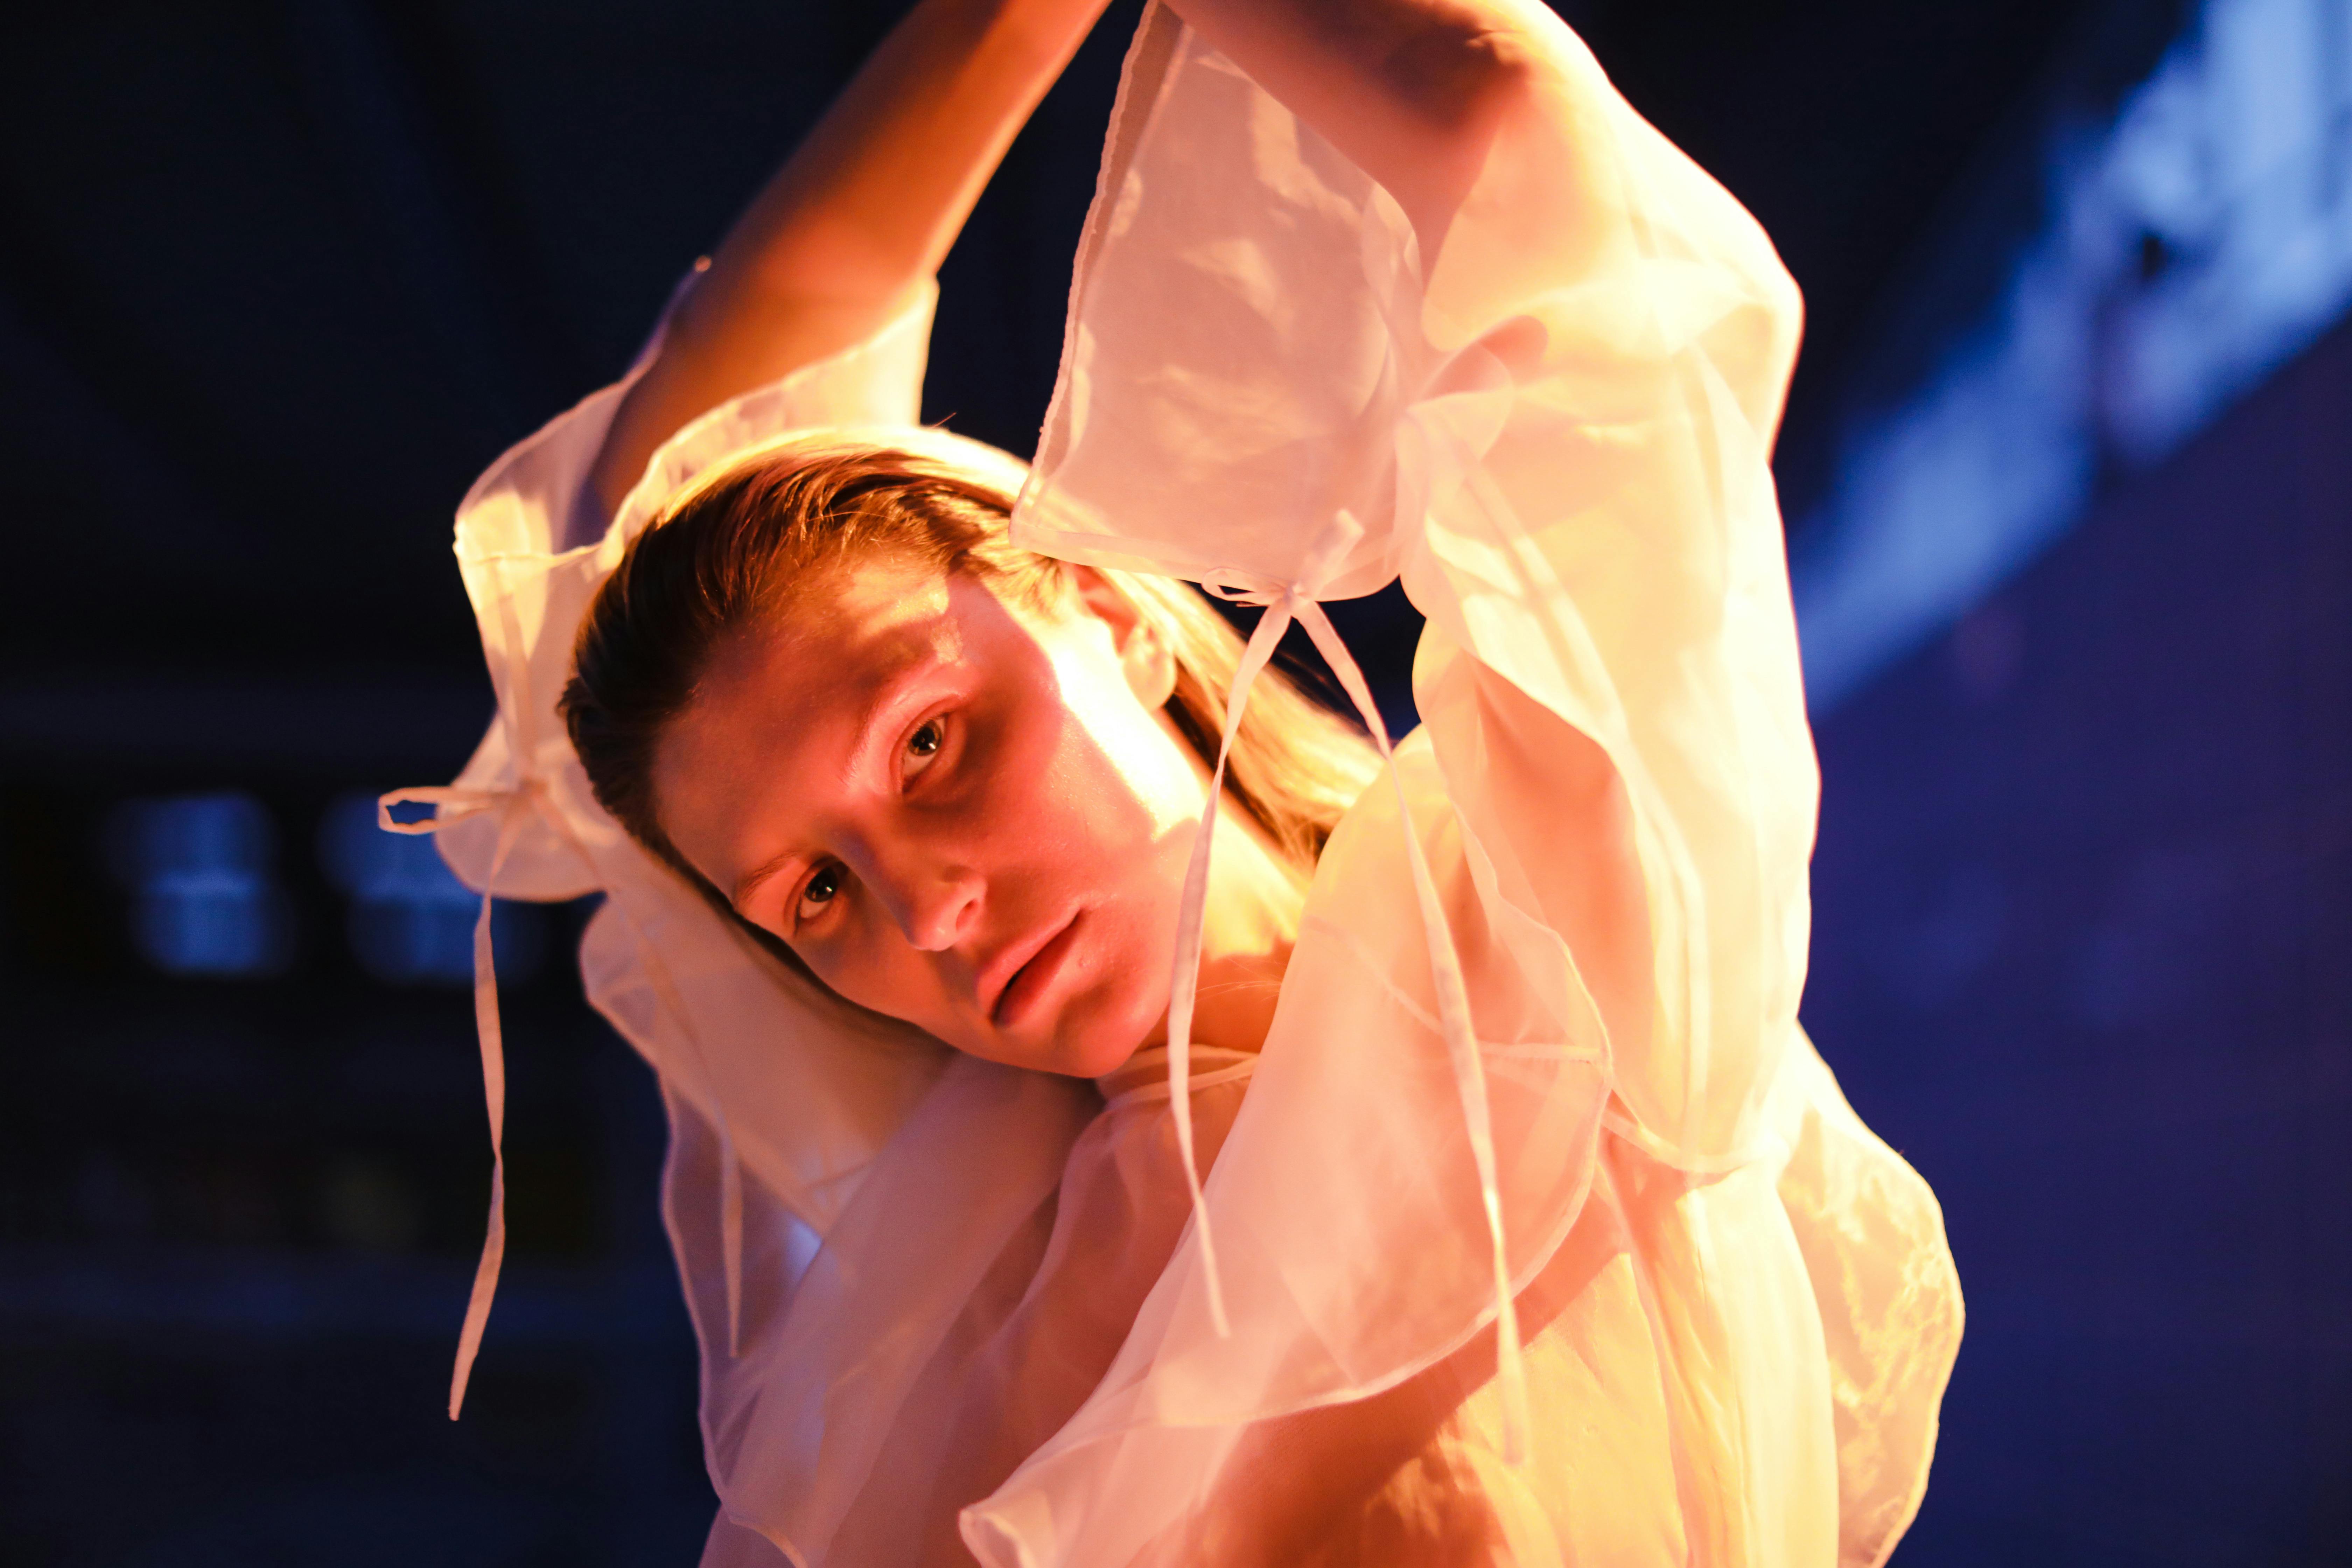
843 623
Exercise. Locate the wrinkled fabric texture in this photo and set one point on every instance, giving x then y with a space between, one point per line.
1557 429
949 1309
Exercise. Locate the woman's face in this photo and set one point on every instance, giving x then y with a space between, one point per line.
958 811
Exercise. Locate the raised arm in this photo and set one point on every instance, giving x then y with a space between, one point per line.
860 214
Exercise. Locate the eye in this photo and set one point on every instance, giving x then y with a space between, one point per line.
931 737
821 889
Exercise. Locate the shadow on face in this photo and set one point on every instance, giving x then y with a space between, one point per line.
957 810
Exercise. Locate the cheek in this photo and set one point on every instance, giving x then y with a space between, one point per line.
877 969
1124 799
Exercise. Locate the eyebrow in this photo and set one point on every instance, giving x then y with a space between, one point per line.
754 880
881 707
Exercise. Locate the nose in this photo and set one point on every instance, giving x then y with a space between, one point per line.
940 913
933 903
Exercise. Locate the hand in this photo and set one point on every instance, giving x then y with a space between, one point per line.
1411 91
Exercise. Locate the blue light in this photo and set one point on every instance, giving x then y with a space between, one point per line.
411 922
204 900
2193 242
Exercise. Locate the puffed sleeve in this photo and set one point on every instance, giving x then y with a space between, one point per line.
1558 430
529 593
837 1186
1555 424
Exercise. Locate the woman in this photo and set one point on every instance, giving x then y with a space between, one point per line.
1534 1231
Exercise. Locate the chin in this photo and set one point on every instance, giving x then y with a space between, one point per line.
1095 1059
1092 1043
1085 1049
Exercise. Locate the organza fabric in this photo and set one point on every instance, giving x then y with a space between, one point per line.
1545 989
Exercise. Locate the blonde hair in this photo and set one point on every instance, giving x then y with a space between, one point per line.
735 550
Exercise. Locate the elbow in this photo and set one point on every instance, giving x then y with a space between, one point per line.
1765 356
1781 302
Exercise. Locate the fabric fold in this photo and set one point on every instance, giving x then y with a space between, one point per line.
1536 1055
1557 429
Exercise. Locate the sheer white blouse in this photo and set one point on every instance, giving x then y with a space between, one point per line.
1537 1049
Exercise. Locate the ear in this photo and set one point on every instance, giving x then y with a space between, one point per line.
1143 652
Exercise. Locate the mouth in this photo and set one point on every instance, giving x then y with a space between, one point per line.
1020 974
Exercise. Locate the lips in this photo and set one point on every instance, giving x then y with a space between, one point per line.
1020 975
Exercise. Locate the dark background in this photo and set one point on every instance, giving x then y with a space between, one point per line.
277 278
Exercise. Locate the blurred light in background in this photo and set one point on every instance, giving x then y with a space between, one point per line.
2190 245
199 868
411 922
